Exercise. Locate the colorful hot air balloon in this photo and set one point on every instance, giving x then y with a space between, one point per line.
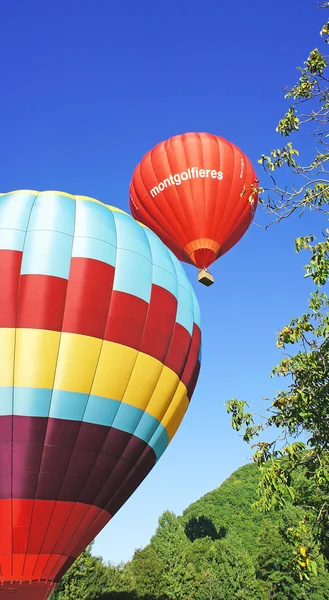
195 191
99 355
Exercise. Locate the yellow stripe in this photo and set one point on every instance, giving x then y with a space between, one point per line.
116 363
113 208
66 195
79 363
7 344
35 192
176 410
35 357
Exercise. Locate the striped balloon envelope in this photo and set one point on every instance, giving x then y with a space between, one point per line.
99 356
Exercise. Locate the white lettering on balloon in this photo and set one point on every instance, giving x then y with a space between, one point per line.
178 178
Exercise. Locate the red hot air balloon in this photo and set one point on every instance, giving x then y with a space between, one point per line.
196 191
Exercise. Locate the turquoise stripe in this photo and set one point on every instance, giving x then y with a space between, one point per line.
131 236
15 210
100 410
147 426
47 253
53 212
6 401
112 413
165 280
12 239
185 310
164 272
197 314
31 402
86 247
95 221
161 256
72 406
133 274
159 441
68 405
182 278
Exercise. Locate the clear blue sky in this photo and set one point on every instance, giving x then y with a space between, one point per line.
87 87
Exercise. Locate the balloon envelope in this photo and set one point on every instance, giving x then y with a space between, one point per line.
195 192
99 355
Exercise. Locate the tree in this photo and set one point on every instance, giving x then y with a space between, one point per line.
303 407
273 564
143 573
87 579
235 572
172 548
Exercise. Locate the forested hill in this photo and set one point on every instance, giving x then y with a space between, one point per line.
229 507
219 549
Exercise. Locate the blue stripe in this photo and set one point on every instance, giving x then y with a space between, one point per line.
47 253
181 275
12 239
161 255
72 406
15 210
185 310
165 280
164 272
86 247
31 402
68 405
197 314
95 221
53 212
133 274
100 410
6 401
159 441
131 236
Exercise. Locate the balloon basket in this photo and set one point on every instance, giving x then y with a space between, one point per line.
205 278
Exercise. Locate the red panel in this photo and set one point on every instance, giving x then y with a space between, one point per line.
126 320
88 297
6 536
193 380
10 266
160 323
179 348
66 533
22 513
5 513
58 534
26 590
54 564
41 302
60 517
87 530
20 539
192 357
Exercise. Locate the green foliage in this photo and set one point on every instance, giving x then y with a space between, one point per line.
219 549
287 465
87 579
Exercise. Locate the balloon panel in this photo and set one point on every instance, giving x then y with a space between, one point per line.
99 356
195 191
